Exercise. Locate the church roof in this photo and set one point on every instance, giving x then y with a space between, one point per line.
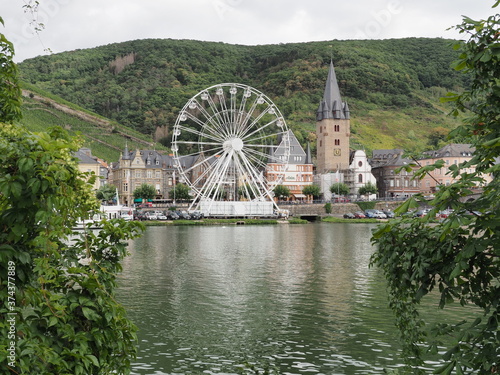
332 106
297 153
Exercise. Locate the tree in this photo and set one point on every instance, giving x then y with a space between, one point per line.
312 190
281 191
145 191
457 259
58 293
180 192
106 193
10 92
339 188
368 189
437 136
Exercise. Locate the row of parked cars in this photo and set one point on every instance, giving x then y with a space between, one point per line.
370 214
168 215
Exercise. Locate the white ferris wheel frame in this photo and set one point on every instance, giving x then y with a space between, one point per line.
229 136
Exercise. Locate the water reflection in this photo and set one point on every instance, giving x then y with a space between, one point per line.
300 297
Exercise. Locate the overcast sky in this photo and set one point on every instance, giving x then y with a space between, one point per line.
77 24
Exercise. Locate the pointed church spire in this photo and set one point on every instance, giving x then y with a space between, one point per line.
308 155
126 154
332 106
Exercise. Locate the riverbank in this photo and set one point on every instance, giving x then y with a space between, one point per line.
326 219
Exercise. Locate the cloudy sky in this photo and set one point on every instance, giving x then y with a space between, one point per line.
77 24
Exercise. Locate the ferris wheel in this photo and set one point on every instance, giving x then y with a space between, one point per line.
230 143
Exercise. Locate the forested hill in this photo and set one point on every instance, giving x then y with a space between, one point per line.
392 86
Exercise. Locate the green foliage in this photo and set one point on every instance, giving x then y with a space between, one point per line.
180 192
281 191
457 259
388 83
145 191
106 193
366 205
312 190
10 93
368 189
328 208
339 188
60 291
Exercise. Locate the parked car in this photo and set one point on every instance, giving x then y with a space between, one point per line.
359 215
444 214
172 215
151 216
389 214
375 214
370 214
196 215
421 213
139 216
145 205
183 215
349 216
162 216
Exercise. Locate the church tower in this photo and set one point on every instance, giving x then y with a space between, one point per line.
333 129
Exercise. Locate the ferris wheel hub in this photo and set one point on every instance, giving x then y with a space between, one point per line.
233 144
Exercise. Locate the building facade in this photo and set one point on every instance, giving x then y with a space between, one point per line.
451 154
390 183
299 172
89 163
142 167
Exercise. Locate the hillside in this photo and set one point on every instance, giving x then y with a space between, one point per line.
106 138
392 86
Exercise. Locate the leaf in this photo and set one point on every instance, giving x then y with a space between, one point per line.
492 143
446 369
90 314
52 321
93 359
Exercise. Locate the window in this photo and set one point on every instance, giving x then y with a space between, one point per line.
137 174
149 173
337 128
360 178
360 163
158 174
125 186
337 142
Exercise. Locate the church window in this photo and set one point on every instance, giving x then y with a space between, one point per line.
360 178
337 142
337 128
360 163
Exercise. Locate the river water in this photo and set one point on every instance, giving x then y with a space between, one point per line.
296 298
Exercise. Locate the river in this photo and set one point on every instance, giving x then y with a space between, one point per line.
296 298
